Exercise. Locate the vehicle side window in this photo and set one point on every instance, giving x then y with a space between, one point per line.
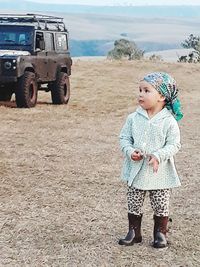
49 41
39 39
61 42
7 36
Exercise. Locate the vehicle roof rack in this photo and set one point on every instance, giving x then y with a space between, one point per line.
43 21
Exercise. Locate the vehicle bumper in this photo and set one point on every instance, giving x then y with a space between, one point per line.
6 79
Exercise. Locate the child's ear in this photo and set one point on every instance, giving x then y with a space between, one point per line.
162 98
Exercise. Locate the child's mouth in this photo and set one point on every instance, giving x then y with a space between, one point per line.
141 101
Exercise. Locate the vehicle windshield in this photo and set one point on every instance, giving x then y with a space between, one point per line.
12 37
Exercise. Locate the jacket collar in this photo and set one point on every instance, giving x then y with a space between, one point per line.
160 115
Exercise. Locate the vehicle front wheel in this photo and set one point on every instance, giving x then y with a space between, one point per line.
26 91
60 90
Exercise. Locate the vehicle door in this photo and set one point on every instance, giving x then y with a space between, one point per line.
51 55
41 59
61 47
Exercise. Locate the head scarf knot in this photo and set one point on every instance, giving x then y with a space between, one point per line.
167 87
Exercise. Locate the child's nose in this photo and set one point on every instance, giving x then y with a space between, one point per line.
140 94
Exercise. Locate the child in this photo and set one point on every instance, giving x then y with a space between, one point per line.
149 140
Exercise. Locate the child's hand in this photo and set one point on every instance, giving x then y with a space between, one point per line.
136 155
154 162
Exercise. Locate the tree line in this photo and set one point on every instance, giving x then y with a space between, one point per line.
124 48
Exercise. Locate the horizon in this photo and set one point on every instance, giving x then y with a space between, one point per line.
118 2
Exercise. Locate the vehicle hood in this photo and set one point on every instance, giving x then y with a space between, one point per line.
13 53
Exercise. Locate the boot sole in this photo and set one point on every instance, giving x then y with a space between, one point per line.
121 242
159 246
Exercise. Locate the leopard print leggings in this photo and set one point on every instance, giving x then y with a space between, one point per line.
159 201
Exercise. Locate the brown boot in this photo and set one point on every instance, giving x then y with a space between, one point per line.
134 233
160 230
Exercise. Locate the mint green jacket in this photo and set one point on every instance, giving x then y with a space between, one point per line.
158 136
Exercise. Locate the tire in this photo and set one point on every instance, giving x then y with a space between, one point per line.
26 92
5 94
60 91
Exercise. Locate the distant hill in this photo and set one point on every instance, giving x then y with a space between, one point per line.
101 47
94 35
136 11
93 29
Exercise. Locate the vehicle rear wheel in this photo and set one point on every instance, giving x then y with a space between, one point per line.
5 94
26 92
60 91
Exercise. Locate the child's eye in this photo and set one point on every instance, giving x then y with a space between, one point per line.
146 90
140 90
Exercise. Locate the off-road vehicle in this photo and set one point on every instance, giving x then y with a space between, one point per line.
34 55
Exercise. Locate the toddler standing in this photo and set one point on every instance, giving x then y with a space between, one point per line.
149 139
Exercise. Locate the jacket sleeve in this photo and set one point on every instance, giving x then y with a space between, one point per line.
172 144
126 138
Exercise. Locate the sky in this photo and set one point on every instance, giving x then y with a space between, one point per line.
121 2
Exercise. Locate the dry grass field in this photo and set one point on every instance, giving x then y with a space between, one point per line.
62 202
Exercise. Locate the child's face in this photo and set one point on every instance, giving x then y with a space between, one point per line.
149 97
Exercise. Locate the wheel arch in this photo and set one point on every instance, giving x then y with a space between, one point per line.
27 67
62 68
31 69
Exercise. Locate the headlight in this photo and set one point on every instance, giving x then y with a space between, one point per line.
10 64
7 65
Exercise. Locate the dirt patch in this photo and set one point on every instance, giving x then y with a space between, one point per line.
62 203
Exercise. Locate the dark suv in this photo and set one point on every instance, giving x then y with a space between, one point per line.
34 55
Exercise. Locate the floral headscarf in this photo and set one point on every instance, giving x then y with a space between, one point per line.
167 87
